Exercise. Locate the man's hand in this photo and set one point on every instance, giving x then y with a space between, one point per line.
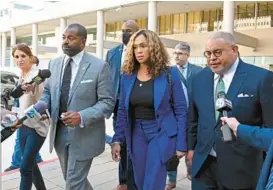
189 157
180 154
71 118
232 123
115 147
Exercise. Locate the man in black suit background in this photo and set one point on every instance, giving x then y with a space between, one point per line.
188 71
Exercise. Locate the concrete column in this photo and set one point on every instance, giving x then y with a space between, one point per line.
256 14
12 43
63 24
152 16
228 14
100 34
35 39
4 48
0 49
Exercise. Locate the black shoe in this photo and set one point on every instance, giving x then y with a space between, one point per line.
10 168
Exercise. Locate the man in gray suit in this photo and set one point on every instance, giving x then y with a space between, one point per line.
80 96
187 73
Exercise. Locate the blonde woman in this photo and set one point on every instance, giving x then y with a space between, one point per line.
32 134
152 111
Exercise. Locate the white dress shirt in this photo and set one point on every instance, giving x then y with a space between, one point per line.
227 78
184 69
75 64
123 55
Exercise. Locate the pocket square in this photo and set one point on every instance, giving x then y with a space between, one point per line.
242 95
86 81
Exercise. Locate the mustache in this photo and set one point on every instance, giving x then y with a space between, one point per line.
66 46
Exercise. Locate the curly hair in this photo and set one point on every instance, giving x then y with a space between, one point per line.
158 60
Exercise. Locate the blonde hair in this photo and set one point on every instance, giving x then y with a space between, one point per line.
158 60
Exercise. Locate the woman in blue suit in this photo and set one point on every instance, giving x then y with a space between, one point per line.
152 111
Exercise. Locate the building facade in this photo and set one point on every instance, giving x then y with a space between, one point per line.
174 21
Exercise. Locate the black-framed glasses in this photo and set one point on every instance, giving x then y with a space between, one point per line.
216 53
179 53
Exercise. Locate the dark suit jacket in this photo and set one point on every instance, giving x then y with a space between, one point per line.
262 139
113 58
172 126
191 73
239 164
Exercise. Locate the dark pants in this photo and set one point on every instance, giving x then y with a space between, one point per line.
207 177
30 144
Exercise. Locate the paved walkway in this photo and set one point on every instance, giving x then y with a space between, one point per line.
102 175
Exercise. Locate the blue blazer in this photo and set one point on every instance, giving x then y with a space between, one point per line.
260 138
172 124
251 95
113 58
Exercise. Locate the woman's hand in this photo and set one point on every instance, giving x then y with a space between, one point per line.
115 147
180 154
27 87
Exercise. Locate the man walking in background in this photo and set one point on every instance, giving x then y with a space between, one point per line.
187 72
115 58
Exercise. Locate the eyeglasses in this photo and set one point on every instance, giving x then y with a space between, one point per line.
216 53
179 53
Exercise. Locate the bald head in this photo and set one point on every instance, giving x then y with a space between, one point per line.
130 24
128 29
226 36
221 52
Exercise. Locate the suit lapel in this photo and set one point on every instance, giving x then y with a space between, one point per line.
59 71
160 84
117 56
182 78
129 84
83 66
189 72
237 81
209 95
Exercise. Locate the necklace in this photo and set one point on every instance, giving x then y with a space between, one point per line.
140 84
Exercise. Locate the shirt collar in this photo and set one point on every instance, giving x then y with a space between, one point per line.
76 58
185 66
229 73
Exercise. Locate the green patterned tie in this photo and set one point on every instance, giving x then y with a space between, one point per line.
220 87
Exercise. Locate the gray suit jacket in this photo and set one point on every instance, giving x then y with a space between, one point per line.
91 95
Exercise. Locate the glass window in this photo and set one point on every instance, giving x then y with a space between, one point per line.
182 22
176 24
213 17
110 30
190 26
162 25
262 9
168 27
142 23
165 25
250 9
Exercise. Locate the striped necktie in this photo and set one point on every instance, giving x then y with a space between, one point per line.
220 87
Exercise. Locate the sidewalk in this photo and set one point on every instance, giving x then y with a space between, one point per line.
102 175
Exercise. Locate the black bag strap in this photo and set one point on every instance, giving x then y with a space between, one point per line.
169 79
